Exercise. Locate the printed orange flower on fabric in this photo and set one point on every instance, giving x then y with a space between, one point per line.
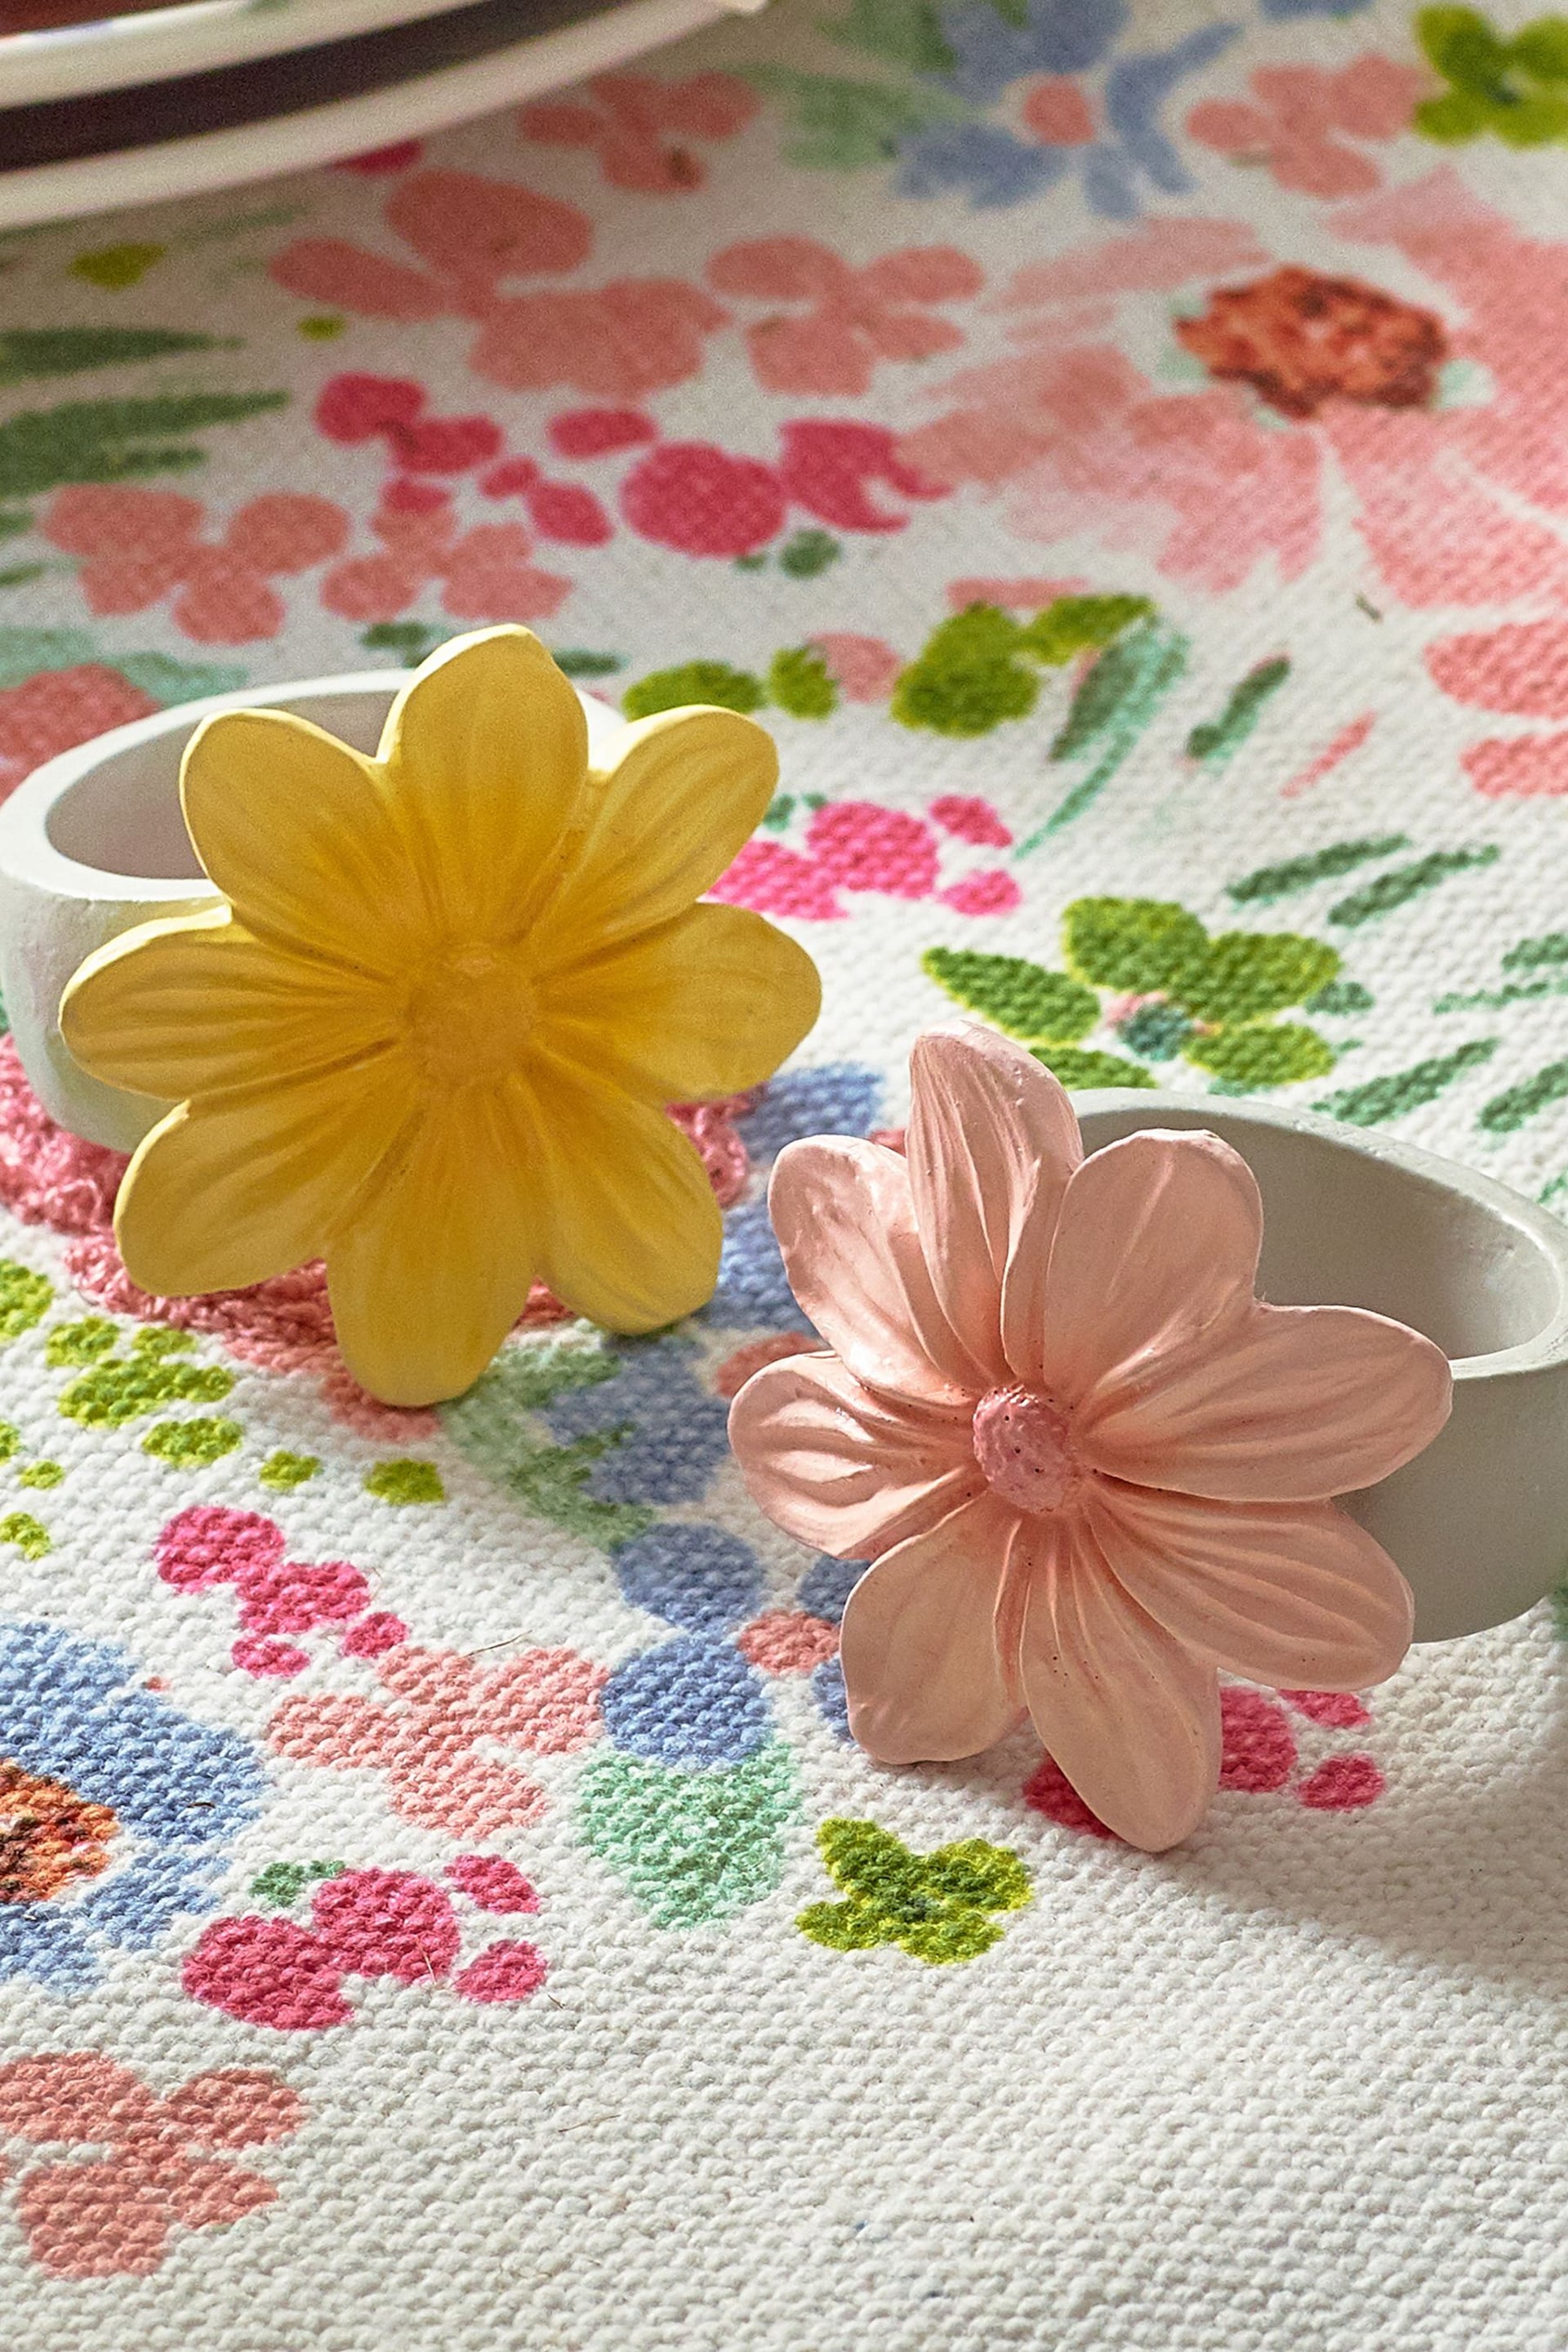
856 318
614 341
640 126
140 546
162 2165
486 573
434 1738
1089 1465
431 1034
1300 119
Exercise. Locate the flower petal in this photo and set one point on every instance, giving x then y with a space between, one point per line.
845 1223
1128 1713
841 1469
1158 1238
1294 1595
685 794
230 1192
486 754
705 1005
194 1004
1289 1404
428 1280
629 1232
922 1661
296 831
990 1143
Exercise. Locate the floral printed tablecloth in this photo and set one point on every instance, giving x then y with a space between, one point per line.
1123 452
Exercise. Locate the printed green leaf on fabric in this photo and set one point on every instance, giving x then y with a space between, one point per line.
808 553
1022 997
696 681
29 1535
799 682
968 677
1214 742
848 126
691 1846
1516 1104
1262 1054
169 681
1077 625
493 1425
281 1884
284 1471
1139 945
1407 882
1294 873
1370 1105
193 1444
115 440
30 351
939 1906
24 1298
1243 975
905 32
1078 1068
120 1389
980 669
1515 89
405 1482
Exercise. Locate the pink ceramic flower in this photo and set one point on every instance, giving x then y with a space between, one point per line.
1089 1465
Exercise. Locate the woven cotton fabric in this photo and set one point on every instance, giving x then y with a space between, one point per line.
1121 453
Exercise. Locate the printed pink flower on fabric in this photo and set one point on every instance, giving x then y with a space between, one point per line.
629 123
1302 119
1457 501
855 318
486 573
435 1740
112 2216
1089 1465
139 546
852 846
273 1972
616 342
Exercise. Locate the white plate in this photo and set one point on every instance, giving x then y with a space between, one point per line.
350 126
118 52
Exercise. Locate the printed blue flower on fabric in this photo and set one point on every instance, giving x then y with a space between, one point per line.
669 1435
117 1811
831 1698
699 1578
753 1292
826 1587
836 1098
995 167
692 1702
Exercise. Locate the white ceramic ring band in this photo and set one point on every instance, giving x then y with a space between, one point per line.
94 842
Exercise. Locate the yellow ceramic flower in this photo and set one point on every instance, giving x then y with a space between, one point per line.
431 1035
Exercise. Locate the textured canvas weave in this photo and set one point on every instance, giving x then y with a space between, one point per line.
1122 453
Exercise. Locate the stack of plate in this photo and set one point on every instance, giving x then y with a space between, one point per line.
100 111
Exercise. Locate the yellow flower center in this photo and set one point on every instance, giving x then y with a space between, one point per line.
469 1014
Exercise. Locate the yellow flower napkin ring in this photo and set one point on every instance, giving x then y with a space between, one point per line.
429 1030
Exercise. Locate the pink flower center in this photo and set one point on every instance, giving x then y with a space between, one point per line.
1021 1442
